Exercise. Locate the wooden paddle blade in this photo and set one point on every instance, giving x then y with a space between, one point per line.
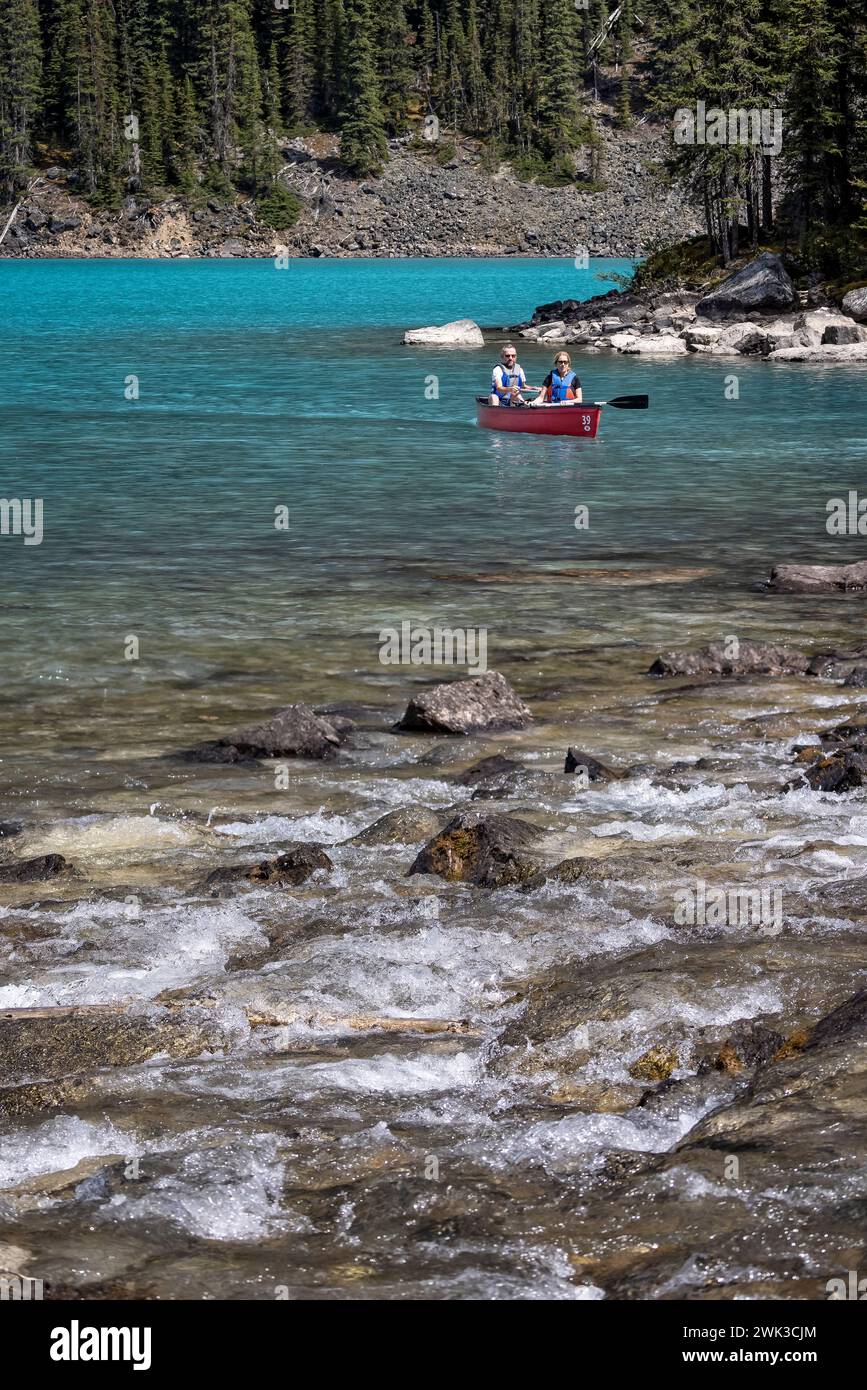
630 402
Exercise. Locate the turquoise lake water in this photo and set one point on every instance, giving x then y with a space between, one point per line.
262 389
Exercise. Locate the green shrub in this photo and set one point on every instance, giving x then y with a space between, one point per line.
280 208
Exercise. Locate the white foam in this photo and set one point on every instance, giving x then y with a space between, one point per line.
57 1145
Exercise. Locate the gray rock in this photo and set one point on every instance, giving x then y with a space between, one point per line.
596 771
762 286
37 1044
819 579
64 224
487 850
753 658
463 707
292 867
294 732
840 333
458 333
39 870
855 303
405 826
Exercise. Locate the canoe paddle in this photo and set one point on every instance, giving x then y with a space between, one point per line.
619 402
627 402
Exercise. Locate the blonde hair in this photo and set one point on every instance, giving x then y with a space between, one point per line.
562 353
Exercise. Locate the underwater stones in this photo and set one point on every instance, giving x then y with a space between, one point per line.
566 872
486 769
294 732
408 825
596 771
819 579
485 850
46 1044
722 659
292 867
38 870
464 707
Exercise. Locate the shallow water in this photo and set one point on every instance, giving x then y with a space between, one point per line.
308 1154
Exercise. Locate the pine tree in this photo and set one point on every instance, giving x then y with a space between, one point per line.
362 137
300 66
394 73
20 89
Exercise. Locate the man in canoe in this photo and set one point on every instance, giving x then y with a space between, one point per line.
508 380
561 385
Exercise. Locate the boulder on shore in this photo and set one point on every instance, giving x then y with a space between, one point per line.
855 303
749 659
487 850
294 732
763 286
819 579
458 333
463 707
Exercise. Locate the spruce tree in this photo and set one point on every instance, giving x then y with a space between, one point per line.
362 137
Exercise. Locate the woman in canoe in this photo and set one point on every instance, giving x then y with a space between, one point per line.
561 385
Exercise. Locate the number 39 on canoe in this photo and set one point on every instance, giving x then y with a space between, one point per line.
577 418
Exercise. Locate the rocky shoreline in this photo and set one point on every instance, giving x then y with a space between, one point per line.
440 201
753 312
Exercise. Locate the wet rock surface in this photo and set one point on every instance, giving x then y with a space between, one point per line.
292 867
294 732
464 707
721 659
486 849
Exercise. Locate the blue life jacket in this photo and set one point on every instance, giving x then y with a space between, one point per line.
559 386
512 376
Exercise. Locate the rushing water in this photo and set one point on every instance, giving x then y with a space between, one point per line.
341 1161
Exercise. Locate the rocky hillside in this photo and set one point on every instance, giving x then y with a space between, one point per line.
445 202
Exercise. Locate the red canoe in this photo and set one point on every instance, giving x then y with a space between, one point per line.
574 418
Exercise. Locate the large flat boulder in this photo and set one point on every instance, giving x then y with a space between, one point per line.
656 345
763 286
458 333
825 352
463 707
819 579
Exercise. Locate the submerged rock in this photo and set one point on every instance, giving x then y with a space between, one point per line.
819 579
488 850
762 286
38 870
463 707
486 770
406 826
292 867
596 771
294 732
41 1044
752 658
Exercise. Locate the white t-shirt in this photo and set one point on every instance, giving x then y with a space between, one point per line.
503 378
